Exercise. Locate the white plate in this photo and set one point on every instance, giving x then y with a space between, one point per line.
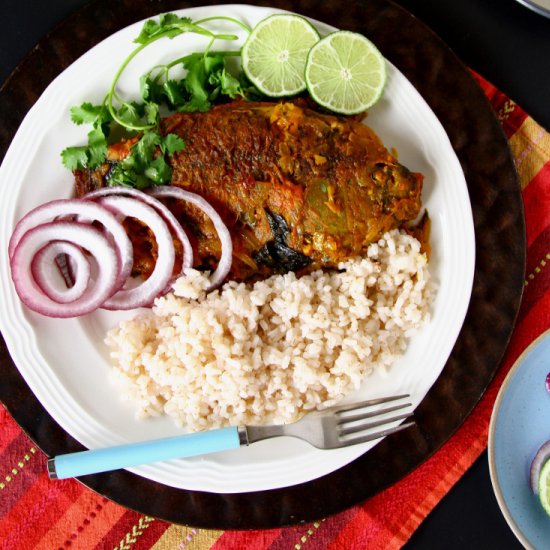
519 426
65 361
542 7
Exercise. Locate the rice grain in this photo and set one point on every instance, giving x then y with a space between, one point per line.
271 351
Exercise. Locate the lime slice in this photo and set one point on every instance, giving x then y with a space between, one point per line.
274 54
345 72
544 487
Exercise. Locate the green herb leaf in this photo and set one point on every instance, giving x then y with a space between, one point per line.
172 143
195 83
152 113
149 89
147 163
127 177
158 171
144 149
206 80
75 158
97 148
172 93
130 113
168 24
175 93
86 156
227 83
86 113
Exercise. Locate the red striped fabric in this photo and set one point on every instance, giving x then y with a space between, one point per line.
37 513
536 201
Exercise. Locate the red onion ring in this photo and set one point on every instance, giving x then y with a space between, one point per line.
540 458
224 265
88 210
89 238
162 209
61 230
45 260
144 293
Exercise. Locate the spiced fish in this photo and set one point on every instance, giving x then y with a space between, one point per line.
298 189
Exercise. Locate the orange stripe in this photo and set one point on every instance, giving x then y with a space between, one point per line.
83 524
251 540
536 201
148 530
179 537
530 146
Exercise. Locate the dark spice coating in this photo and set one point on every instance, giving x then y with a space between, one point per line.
329 178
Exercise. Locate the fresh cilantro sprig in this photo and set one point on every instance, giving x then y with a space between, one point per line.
206 80
93 154
148 162
169 25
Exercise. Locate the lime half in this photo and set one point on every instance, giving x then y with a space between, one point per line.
274 54
544 487
345 72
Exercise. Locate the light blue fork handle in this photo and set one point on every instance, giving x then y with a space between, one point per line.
133 454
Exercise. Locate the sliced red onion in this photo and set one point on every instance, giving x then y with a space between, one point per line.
85 210
88 237
543 454
224 265
177 229
145 292
58 231
162 209
548 382
44 270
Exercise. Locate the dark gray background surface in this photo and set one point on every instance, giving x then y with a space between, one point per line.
507 44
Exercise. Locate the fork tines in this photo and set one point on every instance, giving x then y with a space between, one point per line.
350 421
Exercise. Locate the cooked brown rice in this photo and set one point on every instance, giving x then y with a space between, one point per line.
268 352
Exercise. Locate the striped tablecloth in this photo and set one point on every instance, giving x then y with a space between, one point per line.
36 513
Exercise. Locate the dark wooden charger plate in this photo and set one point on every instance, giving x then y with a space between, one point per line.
482 149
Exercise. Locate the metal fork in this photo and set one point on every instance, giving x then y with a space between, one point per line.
331 428
339 426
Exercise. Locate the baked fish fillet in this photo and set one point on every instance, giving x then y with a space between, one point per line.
298 189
